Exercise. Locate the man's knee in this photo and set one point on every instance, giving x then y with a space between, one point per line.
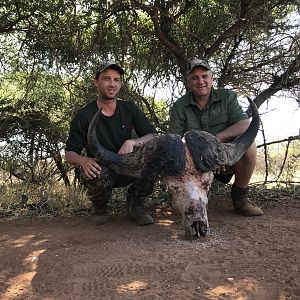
251 153
248 160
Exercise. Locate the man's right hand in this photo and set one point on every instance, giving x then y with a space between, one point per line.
90 167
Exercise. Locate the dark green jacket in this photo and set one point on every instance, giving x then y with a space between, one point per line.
222 111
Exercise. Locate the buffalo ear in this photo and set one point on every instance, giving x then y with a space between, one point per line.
167 156
207 152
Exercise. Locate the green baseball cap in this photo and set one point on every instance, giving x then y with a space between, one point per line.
108 64
197 62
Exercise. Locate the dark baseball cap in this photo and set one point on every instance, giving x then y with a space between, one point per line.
197 62
108 64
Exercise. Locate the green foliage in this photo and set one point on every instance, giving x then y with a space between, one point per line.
208 19
153 42
33 123
33 105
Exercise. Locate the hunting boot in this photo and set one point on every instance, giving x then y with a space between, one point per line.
136 211
242 204
100 209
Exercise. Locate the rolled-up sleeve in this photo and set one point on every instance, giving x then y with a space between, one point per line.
235 110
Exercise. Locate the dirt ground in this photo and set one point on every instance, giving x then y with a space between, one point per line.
70 258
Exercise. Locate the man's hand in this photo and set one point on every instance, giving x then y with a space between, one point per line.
127 147
90 167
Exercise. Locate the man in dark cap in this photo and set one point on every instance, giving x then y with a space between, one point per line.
216 111
118 120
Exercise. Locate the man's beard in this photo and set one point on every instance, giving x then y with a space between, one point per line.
106 98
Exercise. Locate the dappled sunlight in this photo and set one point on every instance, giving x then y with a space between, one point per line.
234 289
132 287
22 241
165 222
20 284
40 242
32 258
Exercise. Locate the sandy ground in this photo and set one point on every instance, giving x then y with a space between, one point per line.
70 258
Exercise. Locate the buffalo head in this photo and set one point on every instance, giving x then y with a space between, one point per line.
185 165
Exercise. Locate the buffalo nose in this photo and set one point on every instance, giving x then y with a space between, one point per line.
199 229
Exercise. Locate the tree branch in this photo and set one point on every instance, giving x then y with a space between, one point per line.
280 82
289 139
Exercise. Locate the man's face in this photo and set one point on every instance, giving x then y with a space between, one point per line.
200 82
108 84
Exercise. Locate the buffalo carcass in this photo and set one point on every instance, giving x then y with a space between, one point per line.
185 165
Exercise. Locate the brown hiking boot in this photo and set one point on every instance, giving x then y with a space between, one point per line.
242 204
136 211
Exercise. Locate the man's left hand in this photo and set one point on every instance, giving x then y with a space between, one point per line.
127 147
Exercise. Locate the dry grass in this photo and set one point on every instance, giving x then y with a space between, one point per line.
25 200
21 200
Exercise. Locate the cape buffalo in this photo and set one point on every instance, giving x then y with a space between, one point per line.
185 165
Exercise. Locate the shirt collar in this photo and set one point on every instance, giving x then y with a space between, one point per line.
190 99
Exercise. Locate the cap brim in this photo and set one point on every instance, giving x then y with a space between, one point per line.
200 65
117 68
